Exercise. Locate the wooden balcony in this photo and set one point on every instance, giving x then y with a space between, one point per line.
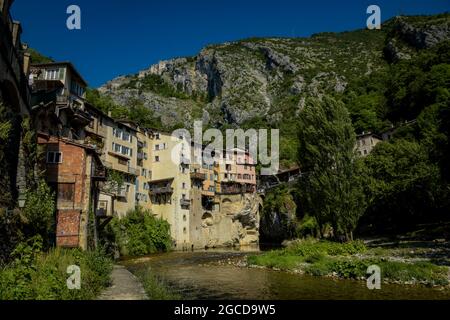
161 190
198 176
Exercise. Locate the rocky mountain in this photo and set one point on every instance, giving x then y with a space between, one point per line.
233 82
266 80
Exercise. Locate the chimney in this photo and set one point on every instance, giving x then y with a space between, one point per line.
16 32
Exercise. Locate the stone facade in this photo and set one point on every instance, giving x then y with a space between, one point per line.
15 99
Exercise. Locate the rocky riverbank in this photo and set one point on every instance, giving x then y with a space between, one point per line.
407 263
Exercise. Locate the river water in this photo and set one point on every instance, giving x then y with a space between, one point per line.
195 275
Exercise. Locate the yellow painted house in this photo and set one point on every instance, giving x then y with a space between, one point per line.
170 184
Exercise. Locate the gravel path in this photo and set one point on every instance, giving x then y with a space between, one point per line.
125 286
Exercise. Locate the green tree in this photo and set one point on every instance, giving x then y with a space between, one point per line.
39 212
331 189
139 233
405 186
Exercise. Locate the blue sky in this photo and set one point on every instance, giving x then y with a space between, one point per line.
122 37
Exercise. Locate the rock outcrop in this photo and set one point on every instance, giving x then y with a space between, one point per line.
234 223
233 82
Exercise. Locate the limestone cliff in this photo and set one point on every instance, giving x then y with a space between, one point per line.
235 222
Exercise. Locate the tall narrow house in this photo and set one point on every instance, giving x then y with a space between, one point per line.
73 165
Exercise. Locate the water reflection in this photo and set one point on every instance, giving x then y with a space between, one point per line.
191 275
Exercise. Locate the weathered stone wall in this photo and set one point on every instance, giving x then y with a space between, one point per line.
234 222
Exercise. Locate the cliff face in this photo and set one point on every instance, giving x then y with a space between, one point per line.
409 34
234 82
234 222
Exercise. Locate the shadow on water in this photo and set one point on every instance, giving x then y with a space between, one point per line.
194 275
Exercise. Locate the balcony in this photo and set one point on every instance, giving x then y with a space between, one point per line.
140 156
133 171
185 202
161 190
231 188
198 176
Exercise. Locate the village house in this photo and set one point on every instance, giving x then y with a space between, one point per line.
74 169
170 184
365 143
120 157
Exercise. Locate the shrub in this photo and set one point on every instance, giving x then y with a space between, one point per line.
39 212
140 233
34 275
309 247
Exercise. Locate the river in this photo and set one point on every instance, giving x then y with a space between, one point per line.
194 275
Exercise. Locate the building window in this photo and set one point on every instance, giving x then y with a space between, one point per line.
117 133
183 185
52 74
156 158
126 136
54 157
66 191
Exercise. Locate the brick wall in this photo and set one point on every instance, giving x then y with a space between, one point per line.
71 214
68 228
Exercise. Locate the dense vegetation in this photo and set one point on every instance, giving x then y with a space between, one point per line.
406 179
139 233
133 111
333 188
350 260
37 57
38 275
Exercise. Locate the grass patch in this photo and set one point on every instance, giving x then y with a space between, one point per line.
307 248
275 259
322 258
155 288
